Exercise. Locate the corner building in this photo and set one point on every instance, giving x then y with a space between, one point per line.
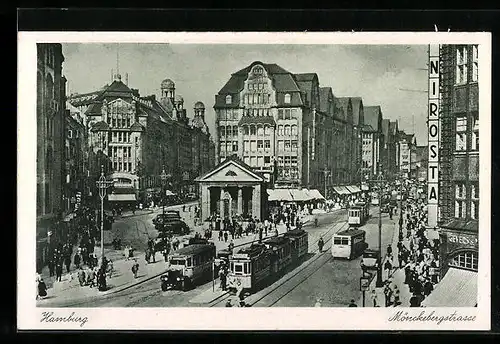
273 121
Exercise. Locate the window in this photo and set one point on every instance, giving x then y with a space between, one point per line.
222 131
294 161
260 131
228 131
246 160
267 130
223 146
253 146
253 161
287 130
229 146
294 130
467 260
288 114
280 114
235 146
252 130
461 134
475 59
460 202
287 98
287 160
294 114
267 159
246 130
461 72
475 134
267 144
294 145
260 161
229 99
280 130
287 145
235 131
281 146
260 144
246 146
474 205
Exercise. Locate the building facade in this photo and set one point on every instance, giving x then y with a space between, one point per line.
372 141
285 126
51 135
459 157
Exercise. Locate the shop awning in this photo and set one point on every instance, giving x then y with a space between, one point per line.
300 195
282 195
353 189
121 198
315 194
458 288
341 190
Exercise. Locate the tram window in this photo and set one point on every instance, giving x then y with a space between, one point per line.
238 268
336 241
177 261
245 268
231 267
344 241
188 262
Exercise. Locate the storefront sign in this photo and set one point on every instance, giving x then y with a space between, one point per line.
433 134
462 239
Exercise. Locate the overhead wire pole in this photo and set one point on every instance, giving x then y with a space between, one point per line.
379 181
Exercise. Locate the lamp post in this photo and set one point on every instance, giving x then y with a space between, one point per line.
102 186
163 177
379 182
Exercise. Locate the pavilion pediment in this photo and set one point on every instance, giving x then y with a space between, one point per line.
231 171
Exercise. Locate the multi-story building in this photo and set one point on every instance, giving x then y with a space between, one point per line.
393 150
404 154
372 140
459 157
458 176
51 135
421 159
284 126
384 149
75 158
136 138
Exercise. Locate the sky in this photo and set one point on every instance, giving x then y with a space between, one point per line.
392 76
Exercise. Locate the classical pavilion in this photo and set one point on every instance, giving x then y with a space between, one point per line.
232 188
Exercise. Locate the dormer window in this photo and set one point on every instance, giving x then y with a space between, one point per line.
287 98
229 99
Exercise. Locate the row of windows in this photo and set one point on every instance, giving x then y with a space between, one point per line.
121 136
259 86
287 130
122 166
256 112
115 122
229 146
462 64
288 173
228 114
256 144
461 134
461 212
287 160
287 145
288 114
460 191
466 260
228 131
257 161
256 98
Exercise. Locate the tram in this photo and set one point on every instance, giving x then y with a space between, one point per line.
349 243
358 214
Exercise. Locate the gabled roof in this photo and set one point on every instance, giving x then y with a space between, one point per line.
357 104
393 127
94 109
271 68
385 128
137 127
100 126
368 128
325 94
285 82
372 116
234 160
305 76
116 89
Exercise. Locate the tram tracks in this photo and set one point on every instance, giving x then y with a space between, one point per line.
289 276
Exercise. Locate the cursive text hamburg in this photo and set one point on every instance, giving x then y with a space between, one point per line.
50 317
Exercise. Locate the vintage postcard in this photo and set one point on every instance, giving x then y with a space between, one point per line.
167 177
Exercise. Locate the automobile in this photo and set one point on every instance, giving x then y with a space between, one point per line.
174 279
369 261
171 222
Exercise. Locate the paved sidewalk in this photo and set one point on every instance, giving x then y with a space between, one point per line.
68 290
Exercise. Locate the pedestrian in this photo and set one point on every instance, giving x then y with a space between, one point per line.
109 268
81 276
374 298
67 262
226 236
318 303
126 252
321 243
228 303
397 301
91 277
51 265
353 304
135 268
428 287
387 294
59 270
222 278
77 260
42 289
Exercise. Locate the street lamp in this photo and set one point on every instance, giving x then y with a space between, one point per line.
102 186
379 182
163 177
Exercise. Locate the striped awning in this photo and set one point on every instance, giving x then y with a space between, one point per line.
300 195
281 195
121 198
458 288
353 189
341 190
316 194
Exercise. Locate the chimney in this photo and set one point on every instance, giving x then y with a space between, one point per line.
126 79
112 76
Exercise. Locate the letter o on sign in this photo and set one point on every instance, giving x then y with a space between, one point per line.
433 130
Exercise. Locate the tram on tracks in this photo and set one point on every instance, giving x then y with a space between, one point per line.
252 265
358 214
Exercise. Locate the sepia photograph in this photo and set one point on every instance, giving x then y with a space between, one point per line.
281 174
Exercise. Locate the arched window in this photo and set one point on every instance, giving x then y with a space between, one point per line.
294 130
246 130
280 130
229 99
288 98
228 131
222 131
252 130
267 130
287 130
235 131
260 131
465 259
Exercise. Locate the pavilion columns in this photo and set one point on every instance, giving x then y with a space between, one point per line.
240 200
256 211
221 205
205 202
